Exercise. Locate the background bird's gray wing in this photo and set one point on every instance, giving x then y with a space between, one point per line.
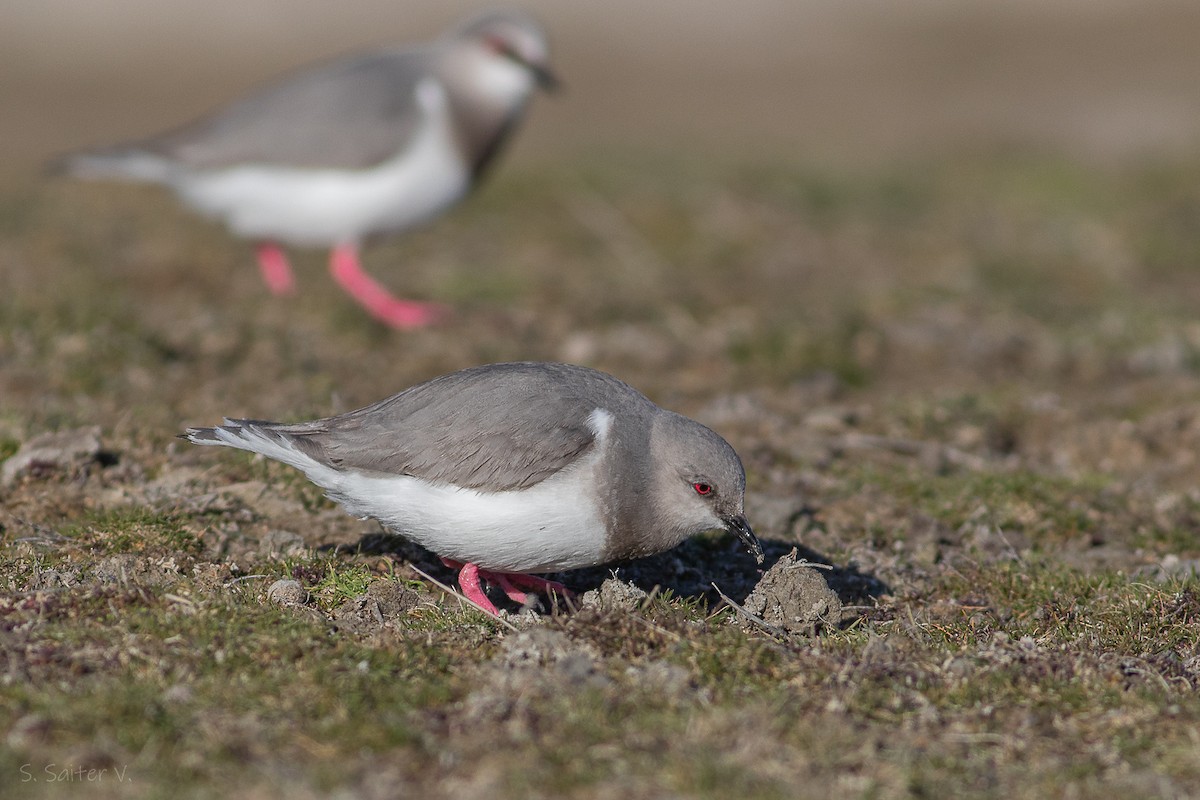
472 428
351 114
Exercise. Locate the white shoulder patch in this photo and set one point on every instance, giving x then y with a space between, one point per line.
600 421
431 97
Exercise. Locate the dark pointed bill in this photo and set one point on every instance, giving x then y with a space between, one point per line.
740 528
545 78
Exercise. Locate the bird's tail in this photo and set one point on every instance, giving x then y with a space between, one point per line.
262 437
121 163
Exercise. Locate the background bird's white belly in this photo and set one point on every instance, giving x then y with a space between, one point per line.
332 206
548 527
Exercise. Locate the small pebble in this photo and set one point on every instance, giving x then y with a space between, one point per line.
287 592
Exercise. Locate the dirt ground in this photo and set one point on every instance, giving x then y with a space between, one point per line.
963 381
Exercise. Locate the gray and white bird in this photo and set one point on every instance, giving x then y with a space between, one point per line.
508 469
367 145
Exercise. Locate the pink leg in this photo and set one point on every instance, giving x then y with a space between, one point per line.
346 270
468 579
276 272
469 576
540 585
512 592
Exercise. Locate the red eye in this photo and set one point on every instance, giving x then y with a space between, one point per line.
702 488
499 46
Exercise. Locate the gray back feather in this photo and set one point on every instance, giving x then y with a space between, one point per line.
496 427
352 114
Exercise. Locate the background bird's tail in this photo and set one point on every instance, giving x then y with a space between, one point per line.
122 163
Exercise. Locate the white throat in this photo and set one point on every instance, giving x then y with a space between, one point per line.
498 81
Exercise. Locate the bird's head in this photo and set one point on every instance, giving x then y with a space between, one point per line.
700 481
511 40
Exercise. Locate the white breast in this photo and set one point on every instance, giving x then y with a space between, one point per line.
323 207
552 526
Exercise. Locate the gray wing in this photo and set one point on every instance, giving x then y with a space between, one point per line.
349 114
476 428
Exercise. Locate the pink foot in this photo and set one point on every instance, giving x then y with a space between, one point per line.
470 575
378 301
276 272
468 579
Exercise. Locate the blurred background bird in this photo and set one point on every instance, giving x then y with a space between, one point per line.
367 145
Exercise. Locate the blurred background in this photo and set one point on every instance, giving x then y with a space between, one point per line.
815 79
932 267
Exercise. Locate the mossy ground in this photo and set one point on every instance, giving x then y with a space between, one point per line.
970 385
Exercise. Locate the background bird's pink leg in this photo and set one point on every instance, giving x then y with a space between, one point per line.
276 272
348 272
